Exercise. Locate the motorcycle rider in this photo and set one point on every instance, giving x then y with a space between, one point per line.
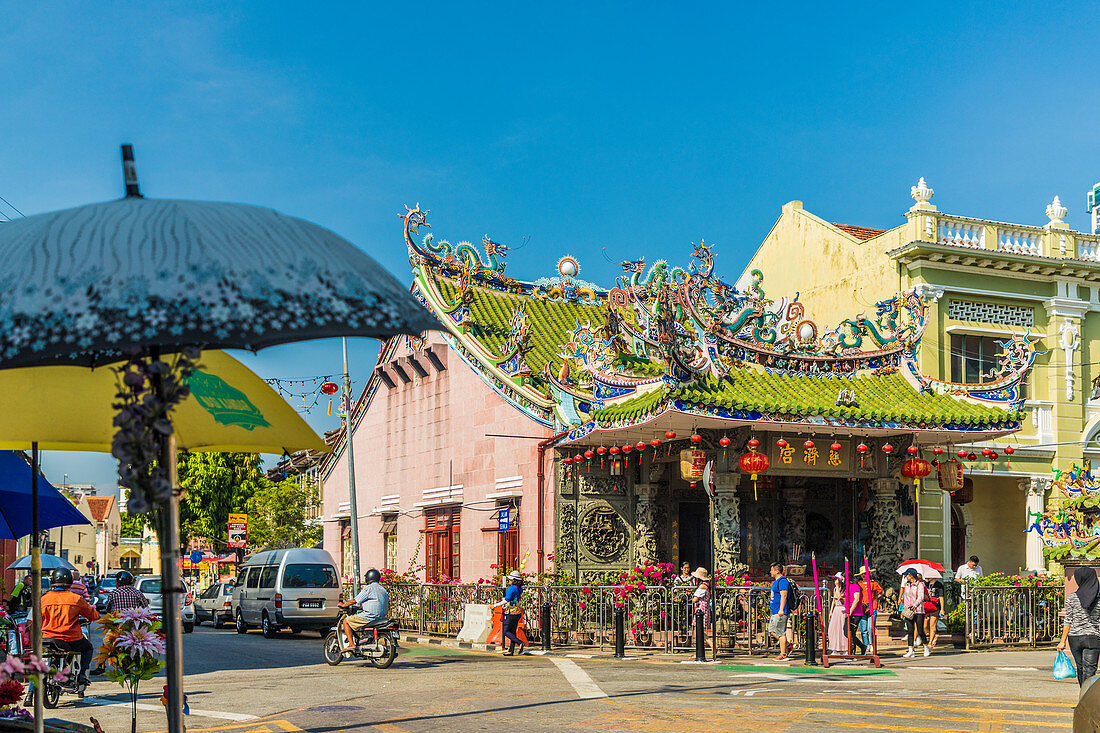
374 604
124 596
61 613
21 596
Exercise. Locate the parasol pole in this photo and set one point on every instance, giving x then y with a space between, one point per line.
36 589
844 595
167 518
870 599
352 507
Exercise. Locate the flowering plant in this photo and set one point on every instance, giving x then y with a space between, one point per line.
12 687
132 649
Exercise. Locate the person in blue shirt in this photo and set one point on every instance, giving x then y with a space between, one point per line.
511 612
777 625
374 603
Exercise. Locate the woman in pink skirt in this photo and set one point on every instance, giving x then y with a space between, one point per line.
838 620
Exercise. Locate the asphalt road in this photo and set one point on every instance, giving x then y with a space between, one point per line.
249 684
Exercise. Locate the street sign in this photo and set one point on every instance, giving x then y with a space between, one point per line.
503 520
49 548
90 564
196 557
238 531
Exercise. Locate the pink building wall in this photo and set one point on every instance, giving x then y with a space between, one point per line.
428 434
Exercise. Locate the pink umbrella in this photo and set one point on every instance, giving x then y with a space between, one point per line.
926 568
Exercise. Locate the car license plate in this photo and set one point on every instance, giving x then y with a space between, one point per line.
309 603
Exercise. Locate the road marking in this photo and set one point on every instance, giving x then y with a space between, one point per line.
580 656
107 702
389 728
985 719
767 675
940 669
755 691
574 675
1017 669
849 671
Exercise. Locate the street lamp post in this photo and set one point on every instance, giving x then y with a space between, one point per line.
352 506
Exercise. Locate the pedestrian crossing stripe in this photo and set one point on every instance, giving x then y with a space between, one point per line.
781 669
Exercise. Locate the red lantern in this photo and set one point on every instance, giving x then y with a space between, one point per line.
862 448
972 457
627 448
781 443
912 450
640 446
916 469
670 435
808 444
601 450
986 452
613 450
329 388
656 443
961 453
696 438
588 454
578 458
753 443
753 463
1009 450
835 447
937 451
567 461
887 449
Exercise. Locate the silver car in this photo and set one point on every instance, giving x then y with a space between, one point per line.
296 589
149 585
215 604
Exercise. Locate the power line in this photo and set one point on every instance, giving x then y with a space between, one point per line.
17 211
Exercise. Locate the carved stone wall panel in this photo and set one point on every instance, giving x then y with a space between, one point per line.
567 534
604 532
645 533
603 485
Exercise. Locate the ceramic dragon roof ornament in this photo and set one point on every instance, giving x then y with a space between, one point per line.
563 349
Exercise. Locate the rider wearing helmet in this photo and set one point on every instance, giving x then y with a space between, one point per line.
124 596
374 603
21 596
61 613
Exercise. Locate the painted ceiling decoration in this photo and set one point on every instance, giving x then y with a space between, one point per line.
667 340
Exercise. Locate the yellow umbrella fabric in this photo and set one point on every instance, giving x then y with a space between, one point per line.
230 409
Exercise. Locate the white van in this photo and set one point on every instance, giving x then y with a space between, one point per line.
296 589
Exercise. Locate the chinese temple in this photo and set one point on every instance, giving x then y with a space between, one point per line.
678 415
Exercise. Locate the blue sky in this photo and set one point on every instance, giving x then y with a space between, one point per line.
605 131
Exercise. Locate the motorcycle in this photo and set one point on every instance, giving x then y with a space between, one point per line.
376 643
59 659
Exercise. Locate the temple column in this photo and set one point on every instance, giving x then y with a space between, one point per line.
1036 503
794 522
645 525
885 511
727 525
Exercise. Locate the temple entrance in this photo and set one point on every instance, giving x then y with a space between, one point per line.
794 517
958 537
694 534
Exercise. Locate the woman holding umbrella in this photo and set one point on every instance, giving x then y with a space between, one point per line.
913 594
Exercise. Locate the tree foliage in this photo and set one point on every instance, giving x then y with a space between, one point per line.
215 485
277 516
133 525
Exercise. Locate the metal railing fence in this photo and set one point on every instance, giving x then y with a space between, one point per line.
1013 615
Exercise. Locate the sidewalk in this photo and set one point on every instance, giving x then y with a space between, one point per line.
1004 658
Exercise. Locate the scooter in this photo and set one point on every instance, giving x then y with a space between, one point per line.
376 643
58 659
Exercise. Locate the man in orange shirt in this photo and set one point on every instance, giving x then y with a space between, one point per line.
61 613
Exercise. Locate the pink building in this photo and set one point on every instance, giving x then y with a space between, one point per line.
432 472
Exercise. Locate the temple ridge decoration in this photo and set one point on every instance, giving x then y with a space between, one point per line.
666 338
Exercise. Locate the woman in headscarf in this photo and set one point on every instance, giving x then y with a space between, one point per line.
1082 626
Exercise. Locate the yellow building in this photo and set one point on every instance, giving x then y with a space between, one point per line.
985 281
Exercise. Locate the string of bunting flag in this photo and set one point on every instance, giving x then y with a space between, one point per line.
306 394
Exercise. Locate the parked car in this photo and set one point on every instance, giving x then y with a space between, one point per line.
215 604
149 585
295 588
102 590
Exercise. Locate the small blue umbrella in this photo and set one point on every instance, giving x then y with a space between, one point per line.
54 510
49 562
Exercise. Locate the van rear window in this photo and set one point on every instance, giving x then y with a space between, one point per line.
310 576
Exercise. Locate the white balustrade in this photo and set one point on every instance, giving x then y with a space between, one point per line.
1020 241
1088 249
961 234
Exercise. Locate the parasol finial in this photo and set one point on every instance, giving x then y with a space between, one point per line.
129 172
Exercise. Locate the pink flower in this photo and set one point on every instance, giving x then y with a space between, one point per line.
141 641
13 665
137 615
61 676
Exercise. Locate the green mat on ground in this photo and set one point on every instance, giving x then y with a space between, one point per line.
777 669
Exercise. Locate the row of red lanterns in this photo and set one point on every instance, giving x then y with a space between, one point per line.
614 451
